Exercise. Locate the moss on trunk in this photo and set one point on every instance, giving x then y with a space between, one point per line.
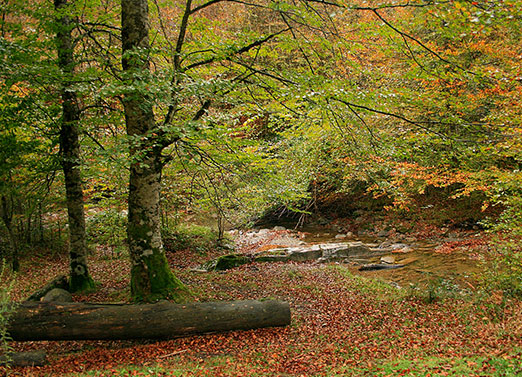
81 283
152 280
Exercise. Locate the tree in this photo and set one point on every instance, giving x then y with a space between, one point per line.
70 152
151 277
221 75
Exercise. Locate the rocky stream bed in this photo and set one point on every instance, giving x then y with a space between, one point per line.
406 261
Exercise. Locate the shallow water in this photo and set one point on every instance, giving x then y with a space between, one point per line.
424 266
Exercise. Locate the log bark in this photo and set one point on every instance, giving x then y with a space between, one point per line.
25 359
163 320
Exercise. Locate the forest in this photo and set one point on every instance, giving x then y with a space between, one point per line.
261 188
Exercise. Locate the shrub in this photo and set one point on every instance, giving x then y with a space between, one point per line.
189 236
108 227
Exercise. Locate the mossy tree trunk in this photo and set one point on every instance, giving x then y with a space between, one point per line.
151 278
70 153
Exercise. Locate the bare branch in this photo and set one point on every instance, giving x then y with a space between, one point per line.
203 6
240 51
393 115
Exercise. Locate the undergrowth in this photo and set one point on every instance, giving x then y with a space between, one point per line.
7 281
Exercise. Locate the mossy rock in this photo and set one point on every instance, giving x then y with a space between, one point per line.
272 258
226 262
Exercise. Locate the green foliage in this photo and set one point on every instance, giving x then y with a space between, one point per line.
7 281
108 227
503 262
199 238
506 366
437 289
502 277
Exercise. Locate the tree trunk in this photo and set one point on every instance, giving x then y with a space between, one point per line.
7 218
163 320
70 155
151 278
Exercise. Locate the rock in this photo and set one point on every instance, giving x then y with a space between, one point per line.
57 295
349 234
226 262
301 254
343 250
322 253
60 281
372 267
397 246
389 259
263 232
400 248
233 233
403 250
395 285
279 228
271 258
340 236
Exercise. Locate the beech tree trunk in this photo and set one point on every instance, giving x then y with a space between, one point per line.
6 212
70 155
163 320
151 278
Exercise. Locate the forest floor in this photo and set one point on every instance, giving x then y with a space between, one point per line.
342 324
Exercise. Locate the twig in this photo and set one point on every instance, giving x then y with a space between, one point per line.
172 354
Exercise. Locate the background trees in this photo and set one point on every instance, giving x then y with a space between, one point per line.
265 107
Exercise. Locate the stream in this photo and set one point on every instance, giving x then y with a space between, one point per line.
424 265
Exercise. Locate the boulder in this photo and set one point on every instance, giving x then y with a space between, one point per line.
389 259
336 251
57 295
302 254
226 262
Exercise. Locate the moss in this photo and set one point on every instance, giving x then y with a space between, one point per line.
272 258
226 262
152 280
81 283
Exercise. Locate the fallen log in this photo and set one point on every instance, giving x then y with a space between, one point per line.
24 359
83 321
